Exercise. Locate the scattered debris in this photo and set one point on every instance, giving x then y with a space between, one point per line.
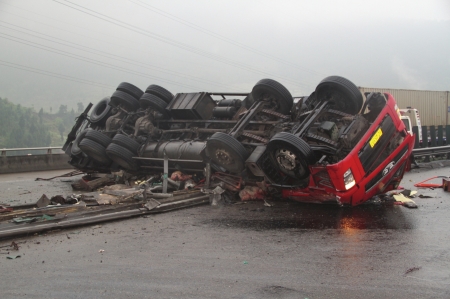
424 184
12 257
412 270
90 182
216 195
409 193
252 193
446 184
151 204
428 195
70 174
132 203
4 209
57 199
101 251
179 176
43 201
407 202
32 219
267 204
14 245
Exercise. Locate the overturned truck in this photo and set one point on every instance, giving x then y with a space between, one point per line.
333 146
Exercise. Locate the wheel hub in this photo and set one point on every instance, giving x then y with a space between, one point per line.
223 157
286 159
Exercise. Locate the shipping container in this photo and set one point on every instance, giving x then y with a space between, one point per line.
433 106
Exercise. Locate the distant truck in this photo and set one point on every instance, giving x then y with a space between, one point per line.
407 121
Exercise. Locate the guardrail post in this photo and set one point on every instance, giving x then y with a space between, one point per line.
425 141
440 139
447 136
3 153
433 136
424 136
415 130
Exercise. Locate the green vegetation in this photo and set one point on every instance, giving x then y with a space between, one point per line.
24 127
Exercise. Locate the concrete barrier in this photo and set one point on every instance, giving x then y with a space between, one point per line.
26 163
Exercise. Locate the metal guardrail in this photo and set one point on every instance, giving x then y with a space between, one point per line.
48 149
431 150
417 151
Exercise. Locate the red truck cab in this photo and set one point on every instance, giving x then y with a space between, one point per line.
375 165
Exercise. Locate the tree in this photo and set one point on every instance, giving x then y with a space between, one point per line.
41 115
62 109
60 126
80 107
22 127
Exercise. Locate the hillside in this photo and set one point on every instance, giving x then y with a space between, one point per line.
24 127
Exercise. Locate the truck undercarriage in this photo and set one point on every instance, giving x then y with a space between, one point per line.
319 148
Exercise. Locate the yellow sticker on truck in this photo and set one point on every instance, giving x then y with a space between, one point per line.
375 137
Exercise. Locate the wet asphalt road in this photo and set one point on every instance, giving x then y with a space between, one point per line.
246 250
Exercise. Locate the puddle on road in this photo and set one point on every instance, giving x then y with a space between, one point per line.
310 216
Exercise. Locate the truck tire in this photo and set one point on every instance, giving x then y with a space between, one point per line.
160 92
122 156
291 154
276 92
76 150
101 112
126 142
156 103
95 151
124 99
130 89
98 137
346 95
227 152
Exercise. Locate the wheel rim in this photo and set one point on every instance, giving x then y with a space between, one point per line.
224 157
286 159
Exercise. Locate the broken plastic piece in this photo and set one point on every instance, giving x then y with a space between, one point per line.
32 219
407 202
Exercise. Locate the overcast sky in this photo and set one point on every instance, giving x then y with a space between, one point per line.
55 52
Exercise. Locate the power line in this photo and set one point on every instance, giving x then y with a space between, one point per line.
218 36
114 57
136 48
86 59
52 74
174 43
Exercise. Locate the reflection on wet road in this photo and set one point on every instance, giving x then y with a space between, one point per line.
313 216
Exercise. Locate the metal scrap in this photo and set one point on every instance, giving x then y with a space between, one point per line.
4 209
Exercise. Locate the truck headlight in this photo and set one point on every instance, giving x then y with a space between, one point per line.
349 180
